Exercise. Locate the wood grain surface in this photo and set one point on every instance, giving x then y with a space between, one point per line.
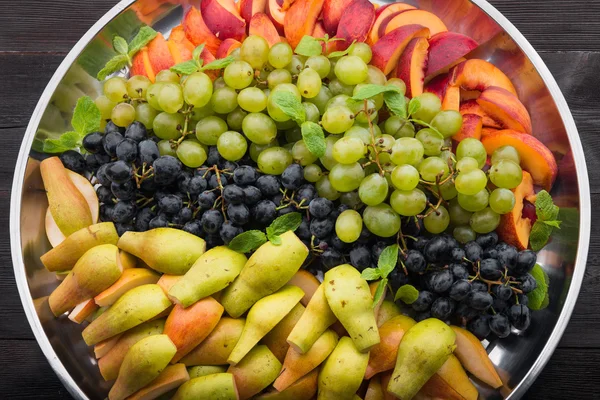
36 35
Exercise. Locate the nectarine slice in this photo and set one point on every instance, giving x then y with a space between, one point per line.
479 75
445 48
412 64
226 47
140 64
247 8
471 128
182 46
387 51
487 131
223 20
451 100
536 158
300 20
261 25
160 54
450 383
355 23
506 108
420 17
197 32
277 14
471 107
332 13
381 14
514 228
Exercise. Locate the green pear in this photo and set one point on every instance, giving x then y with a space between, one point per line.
168 381
95 272
203 370
167 250
264 315
255 372
423 350
144 362
216 348
212 272
387 311
343 371
267 270
209 387
276 339
316 319
350 299
138 305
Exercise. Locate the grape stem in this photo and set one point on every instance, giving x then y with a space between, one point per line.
373 144
184 130
146 174
491 283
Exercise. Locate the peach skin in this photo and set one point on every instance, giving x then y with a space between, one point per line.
247 8
471 107
261 25
382 14
300 20
514 228
332 13
197 32
479 75
355 23
445 48
226 47
387 51
471 128
506 108
223 20
412 64
420 17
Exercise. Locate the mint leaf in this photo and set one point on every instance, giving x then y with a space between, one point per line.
120 45
538 298
379 291
314 138
290 105
544 207
370 274
218 64
198 52
540 233
143 37
275 239
247 241
407 293
413 106
396 103
555 224
387 260
186 67
369 90
66 141
283 224
309 46
86 116
113 65
342 53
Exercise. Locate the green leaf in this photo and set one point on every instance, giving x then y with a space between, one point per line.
407 293
379 291
370 90
396 103
287 222
66 141
314 138
540 233
186 67
120 45
218 64
387 260
275 239
198 52
370 274
86 116
538 298
555 224
143 37
545 208
309 46
341 53
413 106
290 105
248 241
423 123
113 65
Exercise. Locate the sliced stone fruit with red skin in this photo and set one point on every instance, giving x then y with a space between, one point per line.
445 48
411 66
387 51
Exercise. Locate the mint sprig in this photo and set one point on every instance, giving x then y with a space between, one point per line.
86 119
125 52
385 265
251 240
368 91
247 241
538 298
407 293
190 66
314 138
341 53
547 221
309 46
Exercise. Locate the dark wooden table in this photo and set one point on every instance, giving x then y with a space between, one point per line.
35 36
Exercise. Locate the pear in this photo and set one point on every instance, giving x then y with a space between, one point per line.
350 299
208 387
387 311
130 278
95 271
450 381
203 370
264 315
267 270
374 390
133 308
255 372
276 339
129 260
102 348
373 288
343 371
167 281
304 388
314 321
307 282
212 272
64 256
170 378
188 327
423 350
110 362
296 365
143 363
83 310
167 250
216 348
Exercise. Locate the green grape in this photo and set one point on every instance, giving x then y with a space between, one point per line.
191 153
447 122
327 160
432 141
348 226
506 153
168 126
145 114
359 132
381 220
263 74
302 154
398 128
259 128
312 172
286 125
232 145
437 221
337 119
373 189
326 190
458 215
137 86
431 105
123 114
309 83
384 144
170 97
361 50
351 70
502 201
238 74
252 99
274 160
236 118
471 182
152 95
448 158
105 105
296 65
467 164
209 129
165 148
408 203
338 100
322 99
235 54
293 135
168 76
255 51
448 190
363 114
351 199
256 149
475 202
348 150
407 151
346 177
464 234
277 77
485 221
337 87
274 110
280 55
320 64
219 83
506 174
116 89
405 177
375 76
472 147
311 111
399 83
198 89
331 75
224 100
433 167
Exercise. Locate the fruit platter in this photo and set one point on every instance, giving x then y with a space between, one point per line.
300 199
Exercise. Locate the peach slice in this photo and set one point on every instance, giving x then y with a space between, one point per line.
471 128
383 355
223 20
445 48
261 25
300 20
474 358
381 14
411 66
450 382
471 107
170 378
536 158
514 228
226 47
160 54
250 7
449 95
332 13
82 311
487 131
181 47
130 278
355 23
420 17
140 65
506 108
479 75
387 51
197 32
307 282
451 100
277 14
